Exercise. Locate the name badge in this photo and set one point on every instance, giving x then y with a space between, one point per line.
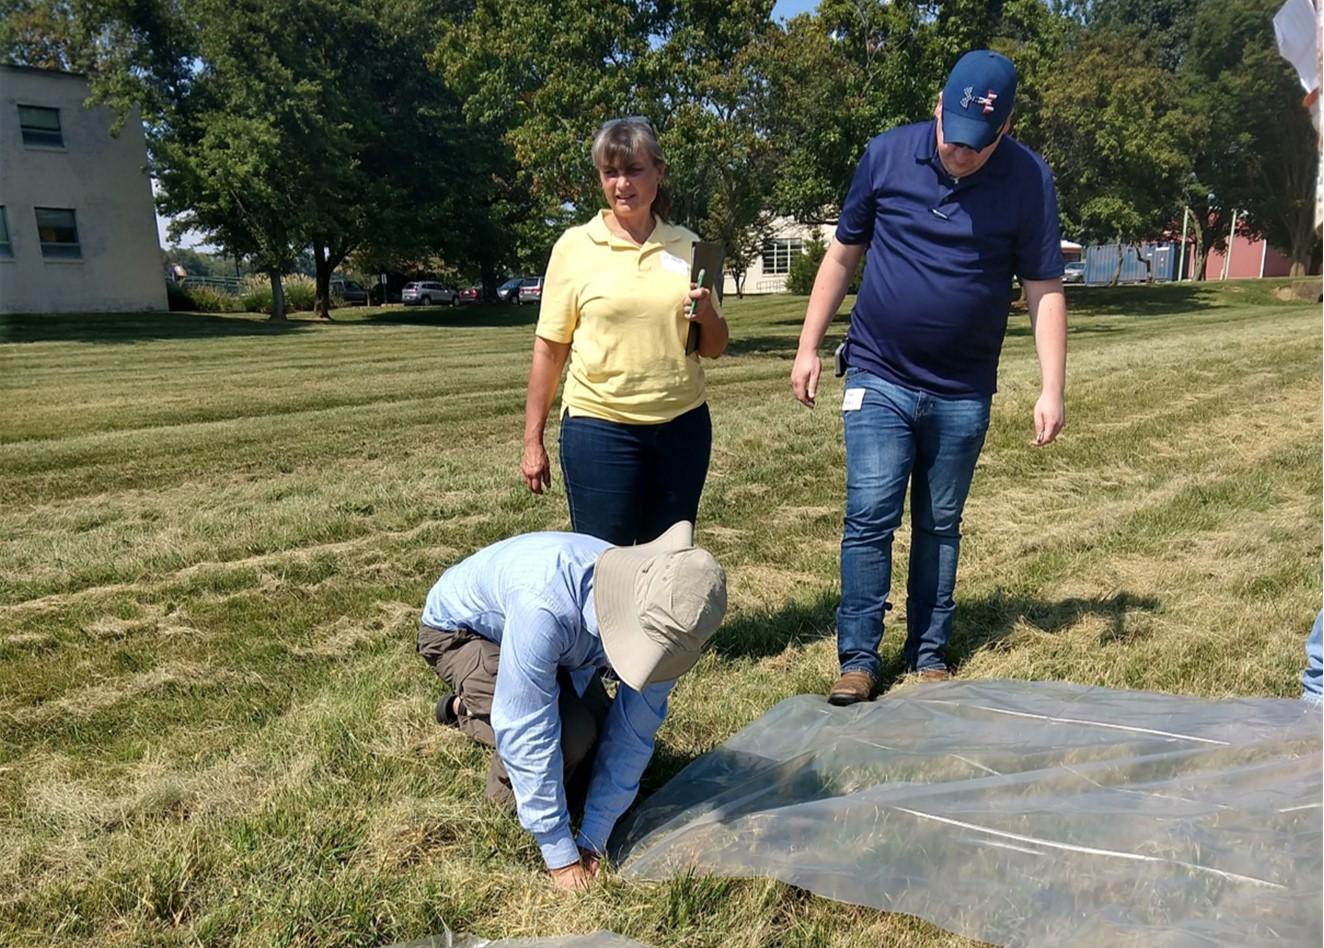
853 400
673 264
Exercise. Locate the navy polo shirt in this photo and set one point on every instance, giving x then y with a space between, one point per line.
932 309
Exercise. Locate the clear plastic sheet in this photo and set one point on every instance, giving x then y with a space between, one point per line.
595 940
1020 813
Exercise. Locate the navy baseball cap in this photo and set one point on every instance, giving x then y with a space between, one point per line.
977 99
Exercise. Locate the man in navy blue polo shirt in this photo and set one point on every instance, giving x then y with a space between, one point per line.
949 210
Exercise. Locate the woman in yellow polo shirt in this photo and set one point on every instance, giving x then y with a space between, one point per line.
635 430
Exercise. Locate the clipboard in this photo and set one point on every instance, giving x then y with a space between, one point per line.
708 256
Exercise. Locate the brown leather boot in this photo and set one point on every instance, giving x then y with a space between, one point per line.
937 673
851 687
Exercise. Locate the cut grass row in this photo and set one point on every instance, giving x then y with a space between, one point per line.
215 535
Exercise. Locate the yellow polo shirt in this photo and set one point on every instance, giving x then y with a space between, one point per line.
620 306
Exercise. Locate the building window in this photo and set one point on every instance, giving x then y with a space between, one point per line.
6 248
40 126
777 255
58 232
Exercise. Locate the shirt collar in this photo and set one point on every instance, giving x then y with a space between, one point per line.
601 233
997 166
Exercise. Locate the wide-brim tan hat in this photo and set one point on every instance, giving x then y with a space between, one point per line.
658 604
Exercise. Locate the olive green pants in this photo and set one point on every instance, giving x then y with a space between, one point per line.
467 662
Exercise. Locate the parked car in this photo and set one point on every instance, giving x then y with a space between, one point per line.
349 292
470 295
425 293
506 291
1074 272
530 291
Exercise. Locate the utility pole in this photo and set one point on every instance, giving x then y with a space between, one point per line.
1227 257
1181 254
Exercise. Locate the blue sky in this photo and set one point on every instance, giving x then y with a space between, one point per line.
785 9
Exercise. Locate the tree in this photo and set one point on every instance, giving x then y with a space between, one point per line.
832 81
1259 152
688 66
288 125
541 79
1118 146
44 34
722 163
198 263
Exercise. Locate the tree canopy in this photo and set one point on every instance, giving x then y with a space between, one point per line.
420 134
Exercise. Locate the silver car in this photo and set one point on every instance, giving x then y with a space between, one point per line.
424 293
530 291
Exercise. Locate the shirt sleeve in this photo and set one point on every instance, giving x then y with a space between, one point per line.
558 313
527 723
860 209
1039 244
623 752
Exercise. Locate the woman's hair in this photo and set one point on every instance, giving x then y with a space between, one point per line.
620 140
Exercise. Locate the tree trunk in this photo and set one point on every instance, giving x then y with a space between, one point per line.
1302 246
1201 252
277 296
322 277
738 277
1149 267
489 278
1117 271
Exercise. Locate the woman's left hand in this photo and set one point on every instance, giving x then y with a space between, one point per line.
701 299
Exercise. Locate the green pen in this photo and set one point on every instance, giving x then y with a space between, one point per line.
694 304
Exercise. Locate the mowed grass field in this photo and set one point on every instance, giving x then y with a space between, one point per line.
216 535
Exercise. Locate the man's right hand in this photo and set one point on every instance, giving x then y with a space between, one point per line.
535 468
572 877
804 376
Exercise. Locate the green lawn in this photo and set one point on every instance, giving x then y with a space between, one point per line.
215 536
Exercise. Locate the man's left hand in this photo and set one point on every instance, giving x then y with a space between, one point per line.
1050 415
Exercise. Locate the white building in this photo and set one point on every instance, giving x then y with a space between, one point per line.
77 223
785 239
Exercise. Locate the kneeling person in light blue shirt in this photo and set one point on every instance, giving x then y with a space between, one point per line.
522 631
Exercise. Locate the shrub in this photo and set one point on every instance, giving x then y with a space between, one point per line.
200 299
255 293
178 298
300 292
208 299
804 267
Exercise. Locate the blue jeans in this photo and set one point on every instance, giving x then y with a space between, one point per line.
627 484
1312 679
899 435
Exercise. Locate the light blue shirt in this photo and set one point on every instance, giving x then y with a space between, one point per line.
533 596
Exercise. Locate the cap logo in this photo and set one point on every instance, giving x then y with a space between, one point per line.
985 100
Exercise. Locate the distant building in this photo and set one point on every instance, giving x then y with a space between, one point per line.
1245 257
786 238
768 272
77 223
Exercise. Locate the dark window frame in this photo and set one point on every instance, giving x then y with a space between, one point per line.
59 249
6 240
41 135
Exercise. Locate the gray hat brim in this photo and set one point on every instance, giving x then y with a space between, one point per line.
635 657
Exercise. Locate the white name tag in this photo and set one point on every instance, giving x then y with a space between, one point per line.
853 400
673 264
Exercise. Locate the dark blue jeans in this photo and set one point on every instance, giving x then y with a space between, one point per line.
627 484
900 436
